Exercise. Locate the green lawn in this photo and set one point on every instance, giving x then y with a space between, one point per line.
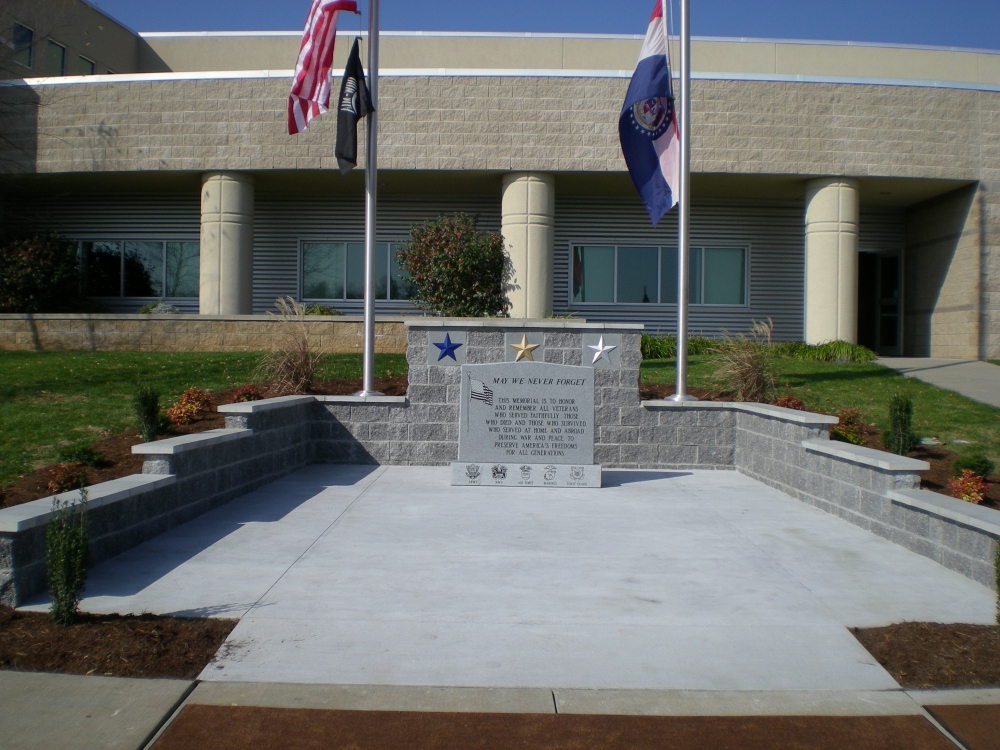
52 399
830 387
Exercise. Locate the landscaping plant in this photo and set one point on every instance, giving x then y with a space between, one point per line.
246 393
291 368
192 401
852 427
969 487
976 462
457 269
899 437
146 402
318 309
791 402
747 367
64 477
81 453
67 554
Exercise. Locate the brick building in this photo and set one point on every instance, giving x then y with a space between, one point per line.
844 190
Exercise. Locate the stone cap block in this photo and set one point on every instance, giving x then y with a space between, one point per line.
865 456
267 404
38 512
975 517
767 410
173 446
518 324
361 399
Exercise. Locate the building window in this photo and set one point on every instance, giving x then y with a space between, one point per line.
24 40
56 55
336 271
141 269
608 274
87 67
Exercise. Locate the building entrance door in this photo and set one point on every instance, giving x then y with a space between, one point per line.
880 302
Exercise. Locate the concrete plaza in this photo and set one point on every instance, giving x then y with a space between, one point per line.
351 575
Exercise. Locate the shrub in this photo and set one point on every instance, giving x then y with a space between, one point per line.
82 453
291 368
791 402
456 269
746 364
665 347
40 274
65 477
899 437
146 403
192 401
976 462
159 308
852 427
969 487
67 554
832 351
317 309
246 393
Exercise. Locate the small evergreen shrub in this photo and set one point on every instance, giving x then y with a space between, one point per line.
852 427
665 347
159 308
976 462
791 402
67 554
146 403
80 453
65 477
246 393
899 438
457 269
40 274
969 487
190 403
317 309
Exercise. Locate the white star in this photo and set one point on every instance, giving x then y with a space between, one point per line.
601 351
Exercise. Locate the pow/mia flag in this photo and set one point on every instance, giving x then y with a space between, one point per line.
354 103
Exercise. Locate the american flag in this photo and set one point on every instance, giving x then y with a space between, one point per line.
480 391
310 94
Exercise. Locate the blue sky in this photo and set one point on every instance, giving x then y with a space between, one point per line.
959 23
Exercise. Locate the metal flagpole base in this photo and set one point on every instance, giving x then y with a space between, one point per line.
366 394
681 397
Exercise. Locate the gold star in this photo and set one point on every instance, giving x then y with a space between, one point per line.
524 349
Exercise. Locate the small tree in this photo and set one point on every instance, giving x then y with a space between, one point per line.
146 403
456 269
67 554
40 274
899 437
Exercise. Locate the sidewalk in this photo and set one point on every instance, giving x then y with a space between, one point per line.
979 381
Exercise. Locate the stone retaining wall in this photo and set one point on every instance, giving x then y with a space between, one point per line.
189 333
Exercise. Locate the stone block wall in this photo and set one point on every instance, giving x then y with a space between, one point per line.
189 333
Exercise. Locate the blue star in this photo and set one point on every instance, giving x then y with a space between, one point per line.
447 348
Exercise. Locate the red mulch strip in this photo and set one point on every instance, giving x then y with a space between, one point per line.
118 645
200 727
936 655
117 449
978 727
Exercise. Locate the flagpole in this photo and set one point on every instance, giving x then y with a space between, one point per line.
371 185
684 208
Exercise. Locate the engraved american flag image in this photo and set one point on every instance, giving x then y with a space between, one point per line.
310 95
481 392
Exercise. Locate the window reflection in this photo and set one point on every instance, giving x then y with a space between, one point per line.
143 269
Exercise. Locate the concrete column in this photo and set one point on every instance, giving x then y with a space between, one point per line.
831 260
528 225
226 286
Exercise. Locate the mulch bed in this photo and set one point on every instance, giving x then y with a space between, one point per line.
977 726
119 460
202 727
117 645
936 655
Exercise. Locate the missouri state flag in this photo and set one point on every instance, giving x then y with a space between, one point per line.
647 125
